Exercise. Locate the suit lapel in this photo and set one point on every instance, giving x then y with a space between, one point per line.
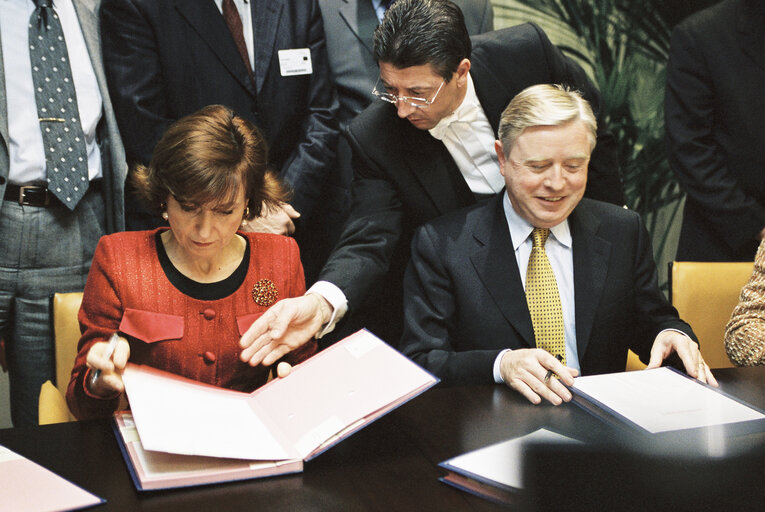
3 109
494 261
209 25
591 256
431 164
265 22
750 22
361 19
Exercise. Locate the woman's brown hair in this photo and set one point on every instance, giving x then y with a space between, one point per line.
206 157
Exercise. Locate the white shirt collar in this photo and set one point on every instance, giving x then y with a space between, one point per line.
468 111
520 228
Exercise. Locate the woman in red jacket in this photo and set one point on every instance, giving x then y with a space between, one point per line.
181 297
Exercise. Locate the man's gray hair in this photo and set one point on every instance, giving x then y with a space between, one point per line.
544 105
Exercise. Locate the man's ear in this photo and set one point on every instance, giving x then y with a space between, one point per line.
500 156
462 72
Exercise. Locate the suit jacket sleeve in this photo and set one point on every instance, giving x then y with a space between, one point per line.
99 317
314 157
134 70
745 333
654 312
363 254
429 316
698 161
604 181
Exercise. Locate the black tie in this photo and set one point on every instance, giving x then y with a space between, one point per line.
66 158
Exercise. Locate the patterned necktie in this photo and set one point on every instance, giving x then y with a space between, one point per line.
234 22
543 298
66 158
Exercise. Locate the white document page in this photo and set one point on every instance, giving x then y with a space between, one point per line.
503 462
661 400
181 416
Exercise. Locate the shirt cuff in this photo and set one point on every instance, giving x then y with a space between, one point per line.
497 373
336 299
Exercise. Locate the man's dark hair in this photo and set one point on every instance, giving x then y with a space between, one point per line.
419 32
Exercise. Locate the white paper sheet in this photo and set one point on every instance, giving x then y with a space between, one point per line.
179 416
661 400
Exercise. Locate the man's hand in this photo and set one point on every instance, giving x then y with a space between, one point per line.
668 341
286 325
525 370
278 220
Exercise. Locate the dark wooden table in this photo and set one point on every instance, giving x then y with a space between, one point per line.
390 465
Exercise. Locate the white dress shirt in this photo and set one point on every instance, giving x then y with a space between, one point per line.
561 256
27 155
468 137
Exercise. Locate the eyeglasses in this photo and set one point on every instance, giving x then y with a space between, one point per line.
409 100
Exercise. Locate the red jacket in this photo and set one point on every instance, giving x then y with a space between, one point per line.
127 291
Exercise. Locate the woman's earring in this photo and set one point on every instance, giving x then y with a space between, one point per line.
164 215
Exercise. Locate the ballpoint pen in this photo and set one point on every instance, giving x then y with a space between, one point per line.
109 351
550 372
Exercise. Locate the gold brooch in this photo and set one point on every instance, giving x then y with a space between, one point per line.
264 292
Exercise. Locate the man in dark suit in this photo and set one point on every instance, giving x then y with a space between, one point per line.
349 26
166 58
429 153
715 116
468 308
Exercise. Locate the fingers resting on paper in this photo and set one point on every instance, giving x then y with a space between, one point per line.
525 370
285 326
670 341
110 379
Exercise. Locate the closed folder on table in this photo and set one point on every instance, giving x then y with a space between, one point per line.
662 400
27 486
323 400
495 472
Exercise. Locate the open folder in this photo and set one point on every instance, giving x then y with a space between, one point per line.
280 425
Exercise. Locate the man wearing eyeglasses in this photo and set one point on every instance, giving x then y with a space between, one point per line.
425 150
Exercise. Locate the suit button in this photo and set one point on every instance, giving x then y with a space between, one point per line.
209 357
209 314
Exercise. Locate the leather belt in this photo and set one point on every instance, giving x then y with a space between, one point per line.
36 195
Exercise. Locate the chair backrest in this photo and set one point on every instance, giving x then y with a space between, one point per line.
66 331
705 294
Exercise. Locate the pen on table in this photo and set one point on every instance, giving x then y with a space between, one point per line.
109 351
550 372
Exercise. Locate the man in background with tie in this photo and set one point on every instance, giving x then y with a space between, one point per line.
62 173
266 60
540 279
425 148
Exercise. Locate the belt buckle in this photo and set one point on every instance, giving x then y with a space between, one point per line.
22 195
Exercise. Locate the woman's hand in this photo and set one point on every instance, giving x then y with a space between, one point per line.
109 382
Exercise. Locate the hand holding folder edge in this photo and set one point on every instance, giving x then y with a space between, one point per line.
325 398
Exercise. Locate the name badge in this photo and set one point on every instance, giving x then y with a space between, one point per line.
295 62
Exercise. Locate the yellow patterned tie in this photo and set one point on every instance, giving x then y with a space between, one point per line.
543 298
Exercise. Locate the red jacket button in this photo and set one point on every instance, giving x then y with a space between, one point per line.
209 314
209 357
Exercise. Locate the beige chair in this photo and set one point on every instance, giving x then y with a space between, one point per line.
66 330
705 294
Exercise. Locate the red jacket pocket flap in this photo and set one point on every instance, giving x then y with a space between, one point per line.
244 322
149 327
